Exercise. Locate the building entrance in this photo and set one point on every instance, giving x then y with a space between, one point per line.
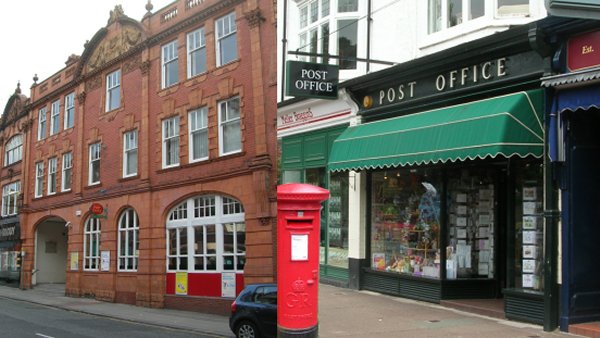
51 240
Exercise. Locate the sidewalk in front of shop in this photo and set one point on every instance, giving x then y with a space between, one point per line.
342 313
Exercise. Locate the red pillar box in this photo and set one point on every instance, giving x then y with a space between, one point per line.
298 227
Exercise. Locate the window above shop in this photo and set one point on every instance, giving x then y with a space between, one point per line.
450 20
329 27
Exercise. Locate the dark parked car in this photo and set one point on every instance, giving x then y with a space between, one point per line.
254 312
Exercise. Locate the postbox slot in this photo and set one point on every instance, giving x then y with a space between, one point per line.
299 223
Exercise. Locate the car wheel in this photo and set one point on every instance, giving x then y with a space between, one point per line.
247 329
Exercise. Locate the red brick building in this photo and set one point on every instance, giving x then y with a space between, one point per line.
150 172
14 125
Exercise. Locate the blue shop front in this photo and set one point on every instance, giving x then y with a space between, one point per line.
574 150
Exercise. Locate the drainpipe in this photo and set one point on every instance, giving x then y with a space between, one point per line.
369 18
551 211
284 49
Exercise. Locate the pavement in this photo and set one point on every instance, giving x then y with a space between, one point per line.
342 313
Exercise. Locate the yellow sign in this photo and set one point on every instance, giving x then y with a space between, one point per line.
181 283
74 261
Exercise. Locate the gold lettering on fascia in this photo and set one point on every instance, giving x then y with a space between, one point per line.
453 79
587 49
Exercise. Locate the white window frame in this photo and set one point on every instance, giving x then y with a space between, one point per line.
94 156
67 171
69 120
225 119
170 134
42 123
39 179
130 149
14 150
113 89
198 125
169 57
52 177
55 118
10 198
202 212
225 27
196 44
128 231
491 20
91 241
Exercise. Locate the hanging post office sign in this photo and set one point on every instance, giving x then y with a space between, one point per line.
316 80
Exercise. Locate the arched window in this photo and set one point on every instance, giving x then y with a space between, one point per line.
206 234
14 150
129 241
91 244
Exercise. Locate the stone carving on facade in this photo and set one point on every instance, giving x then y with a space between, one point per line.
115 14
93 83
254 17
112 48
145 67
132 64
25 125
81 97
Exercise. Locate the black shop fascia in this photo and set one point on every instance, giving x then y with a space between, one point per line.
449 77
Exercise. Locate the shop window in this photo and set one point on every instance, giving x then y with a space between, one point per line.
292 176
177 249
170 64
129 242
91 244
67 171
336 244
196 49
405 222
529 229
42 124
10 197
55 117
69 111
14 150
226 32
471 224
209 232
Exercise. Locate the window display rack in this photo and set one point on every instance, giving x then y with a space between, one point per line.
470 250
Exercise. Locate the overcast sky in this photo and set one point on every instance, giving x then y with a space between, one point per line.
37 36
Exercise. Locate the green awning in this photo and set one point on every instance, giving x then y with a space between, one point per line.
501 126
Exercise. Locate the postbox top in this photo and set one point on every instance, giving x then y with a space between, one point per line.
301 192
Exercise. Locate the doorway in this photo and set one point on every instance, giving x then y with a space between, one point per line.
51 238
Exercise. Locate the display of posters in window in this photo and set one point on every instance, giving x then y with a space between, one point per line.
529 266
530 222
379 261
